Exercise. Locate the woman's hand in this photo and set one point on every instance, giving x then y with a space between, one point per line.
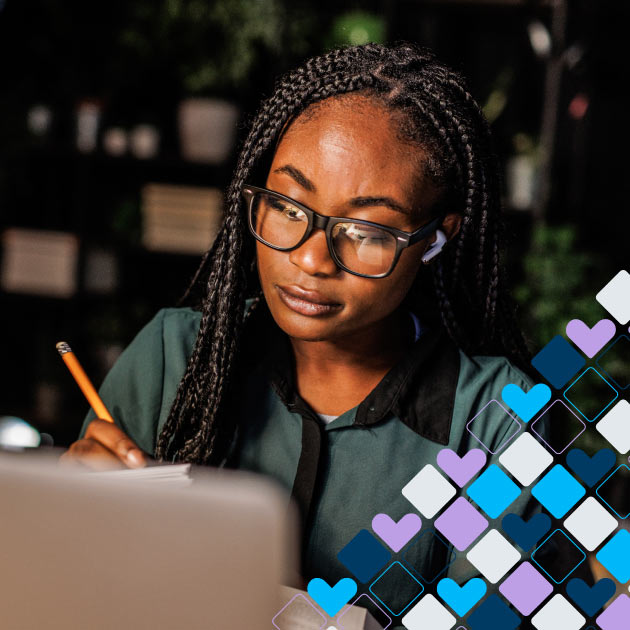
104 447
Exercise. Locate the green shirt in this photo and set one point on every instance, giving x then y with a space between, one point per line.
345 472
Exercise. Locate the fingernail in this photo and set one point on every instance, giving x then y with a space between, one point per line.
135 458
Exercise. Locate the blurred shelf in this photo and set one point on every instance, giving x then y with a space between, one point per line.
530 4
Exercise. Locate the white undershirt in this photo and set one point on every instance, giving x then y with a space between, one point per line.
417 330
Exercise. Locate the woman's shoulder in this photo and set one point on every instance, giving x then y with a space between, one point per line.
479 406
477 370
181 321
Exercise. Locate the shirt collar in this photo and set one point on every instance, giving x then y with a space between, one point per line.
419 389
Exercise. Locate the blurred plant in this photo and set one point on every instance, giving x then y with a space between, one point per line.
498 97
213 45
559 283
354 28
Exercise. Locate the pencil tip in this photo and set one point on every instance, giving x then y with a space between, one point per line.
63 347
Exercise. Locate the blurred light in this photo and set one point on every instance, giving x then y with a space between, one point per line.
17 433
573 55
115 141
38 118
358 35
579 106
539 38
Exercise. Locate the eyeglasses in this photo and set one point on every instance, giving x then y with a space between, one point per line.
362 248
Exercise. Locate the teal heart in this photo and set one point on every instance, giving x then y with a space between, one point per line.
332 598
526 404
461 598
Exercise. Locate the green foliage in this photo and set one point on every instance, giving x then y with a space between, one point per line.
214 46
356 27
560 282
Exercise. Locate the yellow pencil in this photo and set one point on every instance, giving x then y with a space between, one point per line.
83 381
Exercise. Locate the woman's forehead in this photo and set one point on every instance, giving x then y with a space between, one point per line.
355 142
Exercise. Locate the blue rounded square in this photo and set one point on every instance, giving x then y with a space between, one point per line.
493 491
558 361
558 491
615 556
364 556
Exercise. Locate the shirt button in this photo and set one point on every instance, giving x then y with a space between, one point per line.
371 408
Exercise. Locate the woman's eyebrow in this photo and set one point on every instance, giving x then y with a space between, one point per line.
298 176
362 202
355 202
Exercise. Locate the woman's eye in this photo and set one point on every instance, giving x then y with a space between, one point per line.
361 234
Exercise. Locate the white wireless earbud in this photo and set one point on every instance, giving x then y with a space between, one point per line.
435 248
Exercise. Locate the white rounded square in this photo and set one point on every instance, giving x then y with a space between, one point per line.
591 524
428 613
615 426
615 297
525 459
428 491
493 556
558 614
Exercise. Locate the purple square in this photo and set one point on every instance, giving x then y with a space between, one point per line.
460 523
615 617
526 588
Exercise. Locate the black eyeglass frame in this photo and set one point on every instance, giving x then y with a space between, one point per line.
326 223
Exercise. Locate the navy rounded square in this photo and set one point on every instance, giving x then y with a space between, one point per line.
493 614
364 556
558 361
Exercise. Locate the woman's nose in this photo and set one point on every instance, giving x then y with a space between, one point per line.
313 256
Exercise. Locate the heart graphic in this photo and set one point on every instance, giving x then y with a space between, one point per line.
590 599
461 598
526 404
591 469
332 598
591 340
461 469
526 533
396 535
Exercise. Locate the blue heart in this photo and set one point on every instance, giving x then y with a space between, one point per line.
332 598
590 599
461 598
526 533
526 404
591 469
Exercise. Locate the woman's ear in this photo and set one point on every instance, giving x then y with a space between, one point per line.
451 224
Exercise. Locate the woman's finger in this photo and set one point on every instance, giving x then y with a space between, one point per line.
90 454
112 437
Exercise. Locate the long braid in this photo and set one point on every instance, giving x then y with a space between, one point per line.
439 114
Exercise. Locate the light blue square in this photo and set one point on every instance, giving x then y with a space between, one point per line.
558 491
493 491
615 556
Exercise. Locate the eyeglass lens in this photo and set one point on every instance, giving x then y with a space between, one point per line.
364 249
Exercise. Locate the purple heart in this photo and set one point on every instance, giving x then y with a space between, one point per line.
591 340
461 469
396 535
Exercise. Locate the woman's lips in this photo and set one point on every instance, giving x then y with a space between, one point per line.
306 302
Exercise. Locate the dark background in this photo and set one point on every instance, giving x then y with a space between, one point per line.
136 58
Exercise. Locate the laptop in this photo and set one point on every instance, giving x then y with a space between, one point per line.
79 551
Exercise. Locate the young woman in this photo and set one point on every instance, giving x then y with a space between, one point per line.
352 315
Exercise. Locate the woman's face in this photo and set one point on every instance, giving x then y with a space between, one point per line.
347 149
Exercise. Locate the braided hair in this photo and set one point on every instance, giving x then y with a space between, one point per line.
467 288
